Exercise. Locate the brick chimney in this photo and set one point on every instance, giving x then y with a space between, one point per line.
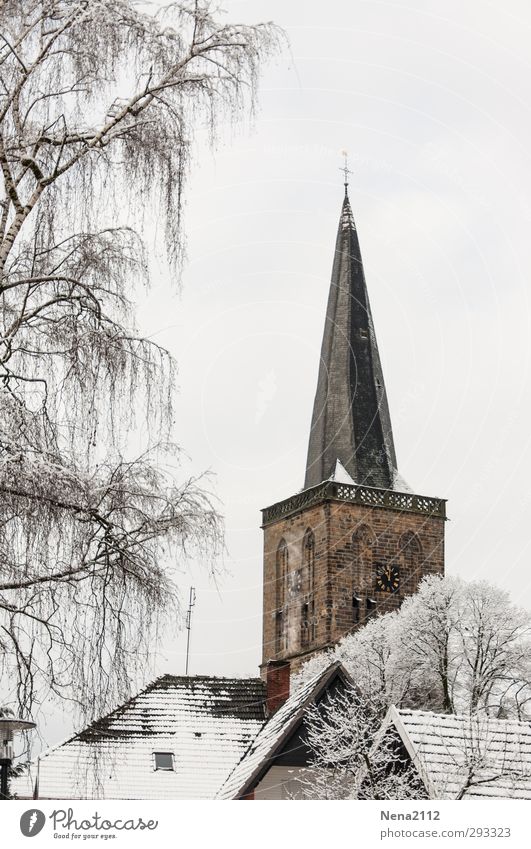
277 684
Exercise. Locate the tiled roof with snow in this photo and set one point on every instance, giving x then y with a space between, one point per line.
207 723
468 757
276 730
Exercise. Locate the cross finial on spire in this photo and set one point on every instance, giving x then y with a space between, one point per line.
345 168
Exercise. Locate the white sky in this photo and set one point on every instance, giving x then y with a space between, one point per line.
433 103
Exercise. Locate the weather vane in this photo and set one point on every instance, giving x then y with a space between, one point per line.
345 168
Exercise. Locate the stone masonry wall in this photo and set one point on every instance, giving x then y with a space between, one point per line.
351 541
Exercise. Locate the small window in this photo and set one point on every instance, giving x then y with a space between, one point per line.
163 760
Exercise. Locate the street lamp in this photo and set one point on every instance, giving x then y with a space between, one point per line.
9 726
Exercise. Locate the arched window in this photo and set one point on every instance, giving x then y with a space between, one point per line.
410 552
308 629
282 571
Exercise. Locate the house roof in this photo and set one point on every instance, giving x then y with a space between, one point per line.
268 742
459 756
206 722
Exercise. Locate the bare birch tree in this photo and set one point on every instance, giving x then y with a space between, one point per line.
98 105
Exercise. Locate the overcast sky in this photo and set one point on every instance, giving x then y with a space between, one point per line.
433 104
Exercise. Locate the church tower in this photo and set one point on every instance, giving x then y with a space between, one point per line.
355 540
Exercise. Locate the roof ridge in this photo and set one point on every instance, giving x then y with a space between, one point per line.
462 716
169 675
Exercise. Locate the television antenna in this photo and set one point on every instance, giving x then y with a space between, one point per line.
191 604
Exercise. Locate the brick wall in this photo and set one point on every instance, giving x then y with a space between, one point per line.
277 684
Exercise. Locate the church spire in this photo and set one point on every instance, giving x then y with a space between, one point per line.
351 421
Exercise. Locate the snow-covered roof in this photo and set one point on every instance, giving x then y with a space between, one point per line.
467 756
260 754
206 722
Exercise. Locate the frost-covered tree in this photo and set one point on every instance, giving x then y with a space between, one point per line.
469 645
340 732
453 647
98 105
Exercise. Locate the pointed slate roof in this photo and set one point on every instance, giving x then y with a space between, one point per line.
351 421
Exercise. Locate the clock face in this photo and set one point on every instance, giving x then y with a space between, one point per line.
387 577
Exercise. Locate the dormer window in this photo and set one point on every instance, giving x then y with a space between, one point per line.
163 761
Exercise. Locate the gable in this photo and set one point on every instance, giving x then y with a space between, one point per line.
461 756
295 750
281 740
